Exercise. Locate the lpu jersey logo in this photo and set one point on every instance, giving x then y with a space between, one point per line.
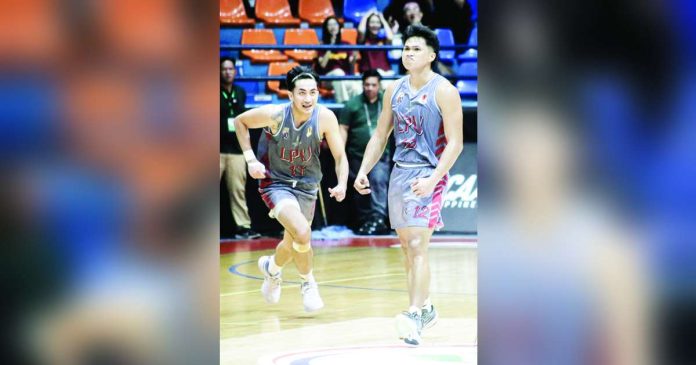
462 192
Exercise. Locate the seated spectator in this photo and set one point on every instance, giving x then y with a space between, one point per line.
369 34
457 16
336 63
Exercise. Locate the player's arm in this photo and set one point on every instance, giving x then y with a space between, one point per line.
264 116
450 104
332 133
378 141
344 133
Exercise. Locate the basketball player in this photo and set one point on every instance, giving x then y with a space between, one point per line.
425 112
290 173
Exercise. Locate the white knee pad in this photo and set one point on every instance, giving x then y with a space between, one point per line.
301 248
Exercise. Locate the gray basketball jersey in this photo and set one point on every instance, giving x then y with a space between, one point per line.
291 155
418 129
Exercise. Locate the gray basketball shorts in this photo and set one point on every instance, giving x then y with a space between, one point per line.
278 196
408 210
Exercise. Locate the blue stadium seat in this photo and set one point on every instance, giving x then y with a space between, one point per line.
474 9
354 10
470 53
446 38
473 38
467 87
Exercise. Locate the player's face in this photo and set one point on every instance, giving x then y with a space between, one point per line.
305 95
227 72
416 54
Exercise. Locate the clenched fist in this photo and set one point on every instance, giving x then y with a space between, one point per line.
338 192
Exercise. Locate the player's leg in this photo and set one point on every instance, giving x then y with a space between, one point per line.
297 224
415 242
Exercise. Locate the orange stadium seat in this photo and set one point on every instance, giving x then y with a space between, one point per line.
349 35
301 36
275 12
261 36
315 11
232 12
276 69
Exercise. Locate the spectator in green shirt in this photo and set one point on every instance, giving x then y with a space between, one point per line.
358 120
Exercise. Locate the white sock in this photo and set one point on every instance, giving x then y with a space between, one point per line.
413 309
308 276
427 304
272 267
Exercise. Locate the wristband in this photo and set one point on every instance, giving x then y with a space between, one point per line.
249 155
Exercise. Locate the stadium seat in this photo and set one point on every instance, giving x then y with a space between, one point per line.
301 36
473 38
467 86
275 12
468 69
446 38
232 13
470 53
354 10
349 35
261 36
277 69
315 11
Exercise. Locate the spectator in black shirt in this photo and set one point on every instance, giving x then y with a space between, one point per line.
232 163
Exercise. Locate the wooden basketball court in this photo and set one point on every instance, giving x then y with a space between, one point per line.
363 285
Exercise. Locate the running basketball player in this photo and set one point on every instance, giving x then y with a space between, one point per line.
290 173
425 112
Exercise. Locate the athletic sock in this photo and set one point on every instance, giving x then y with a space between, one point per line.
427 305
272 267
307 277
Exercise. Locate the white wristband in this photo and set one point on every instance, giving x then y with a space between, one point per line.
249 155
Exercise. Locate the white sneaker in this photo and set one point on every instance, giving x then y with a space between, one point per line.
310 296
270 289
409 326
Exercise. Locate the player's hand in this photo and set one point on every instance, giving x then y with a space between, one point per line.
256 169
362 184
338 192
423 186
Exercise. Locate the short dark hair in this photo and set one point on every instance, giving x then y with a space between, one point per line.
371 73
223 59
299 73
427 34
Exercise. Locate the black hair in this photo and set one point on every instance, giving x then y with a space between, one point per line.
427 34
299 73
368 34
325 36
371 73
223 59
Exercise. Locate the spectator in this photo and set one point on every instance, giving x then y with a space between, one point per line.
358 121
232 163
369 34
336 63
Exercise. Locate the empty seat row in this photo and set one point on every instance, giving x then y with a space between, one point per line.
292 37
275 12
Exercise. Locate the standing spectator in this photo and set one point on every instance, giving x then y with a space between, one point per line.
369 34
336 63
232 163
358 121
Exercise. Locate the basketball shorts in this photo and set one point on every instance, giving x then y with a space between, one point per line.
408 210
278 196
